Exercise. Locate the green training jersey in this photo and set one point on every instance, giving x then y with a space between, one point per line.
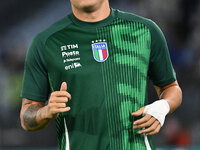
106 65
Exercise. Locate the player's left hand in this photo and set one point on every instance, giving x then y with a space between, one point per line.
148 124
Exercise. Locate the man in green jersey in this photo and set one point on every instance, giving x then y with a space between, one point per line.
92 67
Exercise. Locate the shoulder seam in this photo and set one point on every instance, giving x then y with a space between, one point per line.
136 18
43 36
55 27
57 31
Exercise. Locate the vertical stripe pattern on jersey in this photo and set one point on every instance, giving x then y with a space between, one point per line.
61 132
66 135
125 79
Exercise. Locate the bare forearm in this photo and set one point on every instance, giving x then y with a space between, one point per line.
173 95
34 117
154 114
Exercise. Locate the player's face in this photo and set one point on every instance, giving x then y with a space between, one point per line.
87 5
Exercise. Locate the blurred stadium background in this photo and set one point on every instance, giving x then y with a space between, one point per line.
21 20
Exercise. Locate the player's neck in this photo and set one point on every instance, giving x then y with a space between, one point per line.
92 16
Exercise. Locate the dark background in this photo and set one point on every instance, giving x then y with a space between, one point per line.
21 20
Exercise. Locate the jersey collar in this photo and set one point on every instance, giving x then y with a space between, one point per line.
101 23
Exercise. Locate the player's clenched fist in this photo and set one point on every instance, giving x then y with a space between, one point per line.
57 102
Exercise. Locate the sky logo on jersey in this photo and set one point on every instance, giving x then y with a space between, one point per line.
100 51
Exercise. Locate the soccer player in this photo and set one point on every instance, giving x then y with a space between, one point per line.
92 67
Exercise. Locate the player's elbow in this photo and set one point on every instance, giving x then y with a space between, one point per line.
22 123
24 127
27 128
180 96
179 93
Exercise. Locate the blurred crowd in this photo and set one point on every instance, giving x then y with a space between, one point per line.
178 19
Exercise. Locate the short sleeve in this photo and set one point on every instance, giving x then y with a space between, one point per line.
160 71
35 81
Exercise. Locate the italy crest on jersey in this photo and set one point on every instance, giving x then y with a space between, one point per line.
100 51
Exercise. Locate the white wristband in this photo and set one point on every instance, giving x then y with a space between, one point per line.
158 109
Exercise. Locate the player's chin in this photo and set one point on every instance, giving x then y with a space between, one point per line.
89 8
90 5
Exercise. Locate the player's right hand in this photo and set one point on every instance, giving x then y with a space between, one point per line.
57 102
